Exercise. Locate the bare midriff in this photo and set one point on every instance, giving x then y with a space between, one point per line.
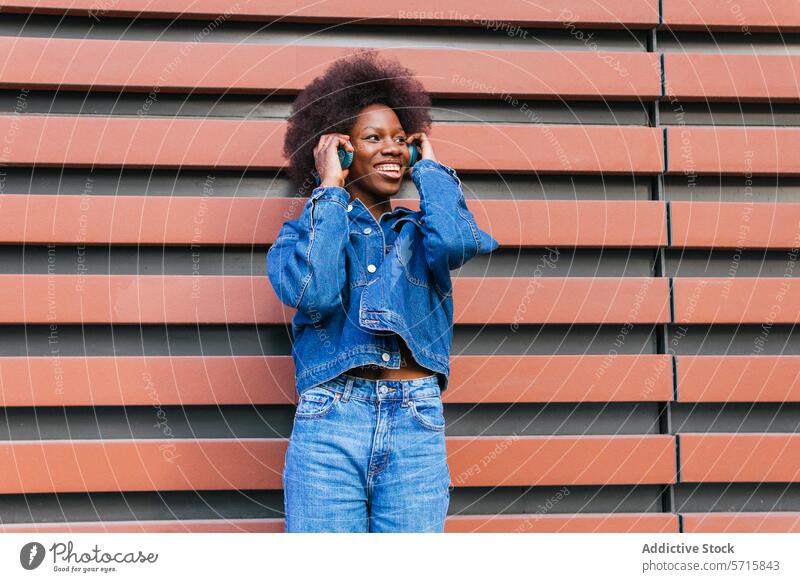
409 368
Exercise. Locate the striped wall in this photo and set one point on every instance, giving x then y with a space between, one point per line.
626 361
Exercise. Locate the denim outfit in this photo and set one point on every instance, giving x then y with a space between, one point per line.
357 283
369 455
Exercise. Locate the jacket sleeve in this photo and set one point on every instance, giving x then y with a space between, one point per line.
306 263
450 234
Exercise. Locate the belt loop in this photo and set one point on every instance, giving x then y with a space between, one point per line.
348 388
406 389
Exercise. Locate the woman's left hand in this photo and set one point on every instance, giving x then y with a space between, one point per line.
424 144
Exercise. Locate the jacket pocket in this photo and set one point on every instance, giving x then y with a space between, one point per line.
409 253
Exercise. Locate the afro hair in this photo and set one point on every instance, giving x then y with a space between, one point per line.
332 101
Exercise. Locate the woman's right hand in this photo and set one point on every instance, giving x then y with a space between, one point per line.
326 158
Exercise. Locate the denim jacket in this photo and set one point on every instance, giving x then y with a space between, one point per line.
356 282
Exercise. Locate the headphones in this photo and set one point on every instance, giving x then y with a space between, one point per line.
346 158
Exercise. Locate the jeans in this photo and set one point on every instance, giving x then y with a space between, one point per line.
367 456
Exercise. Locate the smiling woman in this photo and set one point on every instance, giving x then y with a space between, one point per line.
367 450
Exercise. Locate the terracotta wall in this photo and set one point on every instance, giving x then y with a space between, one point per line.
626 361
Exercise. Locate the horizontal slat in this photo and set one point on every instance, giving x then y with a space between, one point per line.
517 523
740 458
50 63
591 223
211 299
254 144
555 523
146 381
157 220
611 14
708 77
722 300
137 142
753 15
738 378
567 300
219 464
176 220
550 379
733 150
138 299
561 460
734 225
253 380
152 526
742 522
141 465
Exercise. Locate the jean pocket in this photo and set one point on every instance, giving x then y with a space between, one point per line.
316 402
428 412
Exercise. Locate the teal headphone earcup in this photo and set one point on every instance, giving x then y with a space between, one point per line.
345 160
345 157
413 154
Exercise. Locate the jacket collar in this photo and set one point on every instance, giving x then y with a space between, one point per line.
393 217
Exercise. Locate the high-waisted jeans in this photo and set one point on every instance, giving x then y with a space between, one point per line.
367 456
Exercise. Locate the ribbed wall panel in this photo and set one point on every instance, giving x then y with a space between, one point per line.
631 346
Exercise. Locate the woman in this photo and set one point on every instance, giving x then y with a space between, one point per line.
373 296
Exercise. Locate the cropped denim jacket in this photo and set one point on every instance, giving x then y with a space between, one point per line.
357 283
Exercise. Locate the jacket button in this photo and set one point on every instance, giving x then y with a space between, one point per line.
386 357
367 230
372 268
349 207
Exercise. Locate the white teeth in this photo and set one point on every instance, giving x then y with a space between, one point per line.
388 167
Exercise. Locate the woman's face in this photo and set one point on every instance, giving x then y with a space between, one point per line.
381 154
